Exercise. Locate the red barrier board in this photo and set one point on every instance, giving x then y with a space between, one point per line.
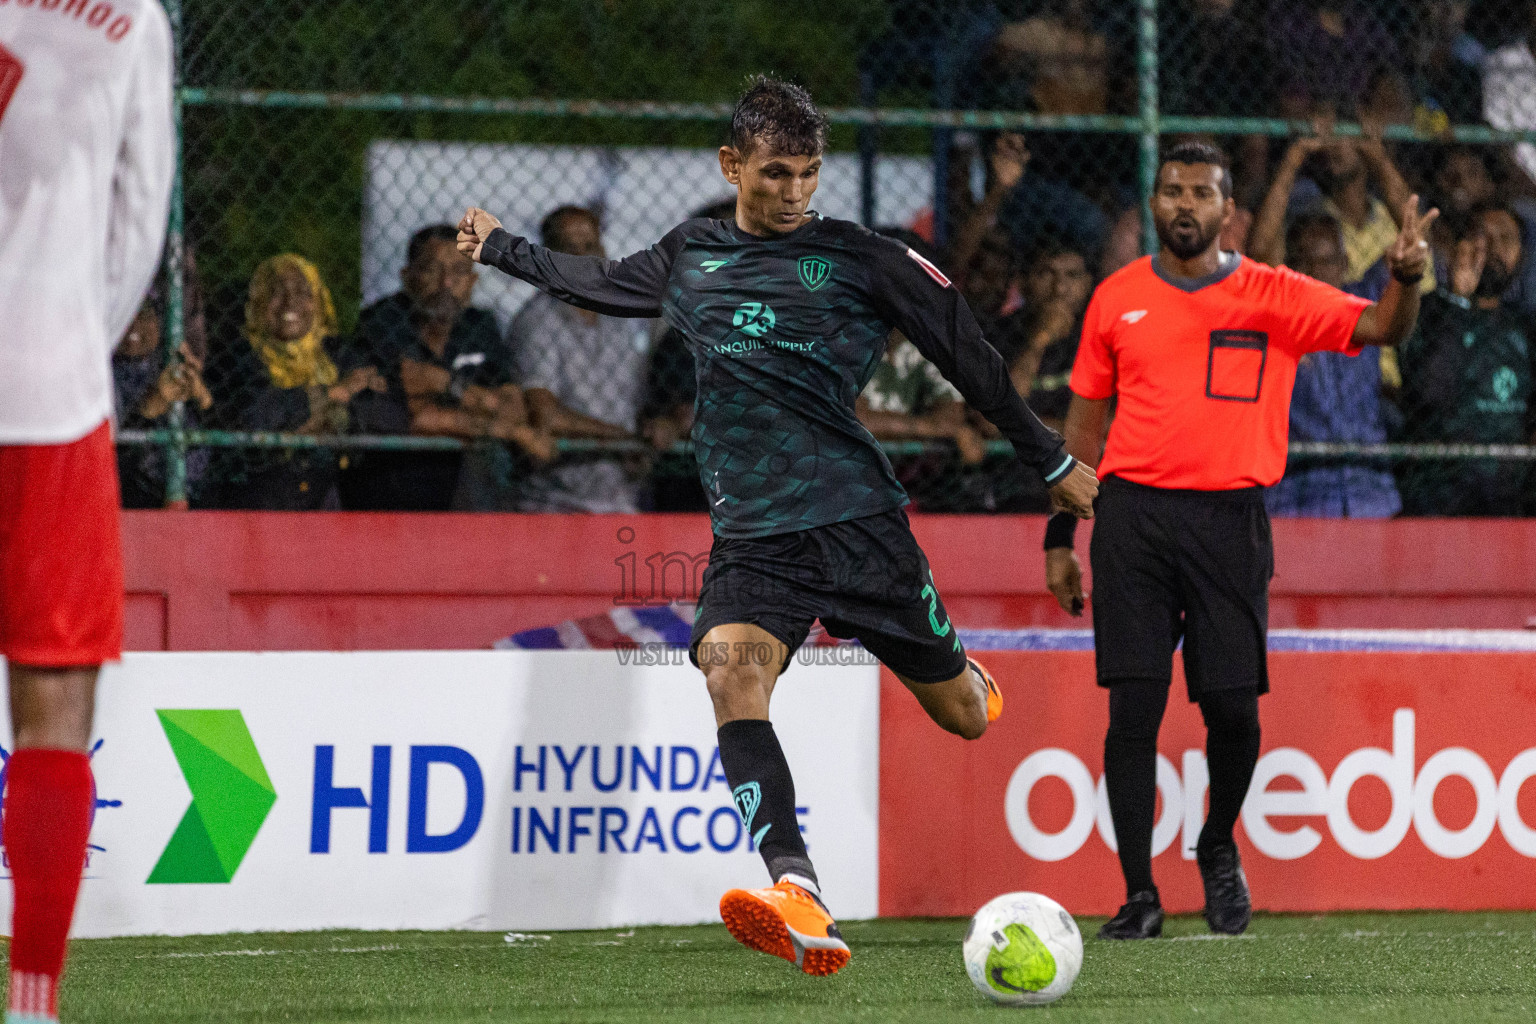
1386 781
340 581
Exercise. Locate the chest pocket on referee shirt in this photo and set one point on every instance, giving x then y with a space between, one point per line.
1235 370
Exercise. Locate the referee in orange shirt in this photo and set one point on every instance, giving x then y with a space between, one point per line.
1198 348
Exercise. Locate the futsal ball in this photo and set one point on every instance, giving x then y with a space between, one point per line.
1023 949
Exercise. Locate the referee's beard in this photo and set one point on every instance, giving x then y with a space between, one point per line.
1186 236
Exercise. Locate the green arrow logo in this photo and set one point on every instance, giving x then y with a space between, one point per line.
231 795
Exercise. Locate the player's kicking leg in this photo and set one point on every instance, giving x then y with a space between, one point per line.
964 704
61 616
787 919
885 597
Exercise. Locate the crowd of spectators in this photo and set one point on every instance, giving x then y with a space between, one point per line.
1029 225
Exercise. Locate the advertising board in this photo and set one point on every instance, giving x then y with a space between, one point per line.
1386 781
481 790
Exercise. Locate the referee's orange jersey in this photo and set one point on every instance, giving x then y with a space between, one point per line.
1203 369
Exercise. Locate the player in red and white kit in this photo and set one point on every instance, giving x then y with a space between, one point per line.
86 159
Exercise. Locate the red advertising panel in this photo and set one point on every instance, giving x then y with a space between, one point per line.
1387 781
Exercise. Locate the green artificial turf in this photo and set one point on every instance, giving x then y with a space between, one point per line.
1401 968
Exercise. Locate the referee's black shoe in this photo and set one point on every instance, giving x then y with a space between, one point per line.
1228 908
1141 918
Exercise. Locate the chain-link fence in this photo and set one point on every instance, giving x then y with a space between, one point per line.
317 342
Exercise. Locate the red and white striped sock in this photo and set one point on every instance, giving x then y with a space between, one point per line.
46 825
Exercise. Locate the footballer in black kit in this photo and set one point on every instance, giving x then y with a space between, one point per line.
787 315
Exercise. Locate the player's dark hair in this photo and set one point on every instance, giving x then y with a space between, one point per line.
417 246
778 115
552 227
1195 152
1308 223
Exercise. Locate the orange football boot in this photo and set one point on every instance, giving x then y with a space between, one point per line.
788 922
994 695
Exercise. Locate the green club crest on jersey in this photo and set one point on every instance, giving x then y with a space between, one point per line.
1019 961
814 272
754 319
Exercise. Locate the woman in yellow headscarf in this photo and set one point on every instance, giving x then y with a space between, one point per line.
289 317
286 377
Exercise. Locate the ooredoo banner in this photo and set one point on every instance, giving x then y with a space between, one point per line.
497 790
1386 781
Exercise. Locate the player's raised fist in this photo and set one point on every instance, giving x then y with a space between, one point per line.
474 229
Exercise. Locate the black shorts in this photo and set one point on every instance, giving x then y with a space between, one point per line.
1170 564
865 579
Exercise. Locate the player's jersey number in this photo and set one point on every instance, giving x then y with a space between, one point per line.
11 70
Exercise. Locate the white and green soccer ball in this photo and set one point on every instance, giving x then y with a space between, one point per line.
1023 949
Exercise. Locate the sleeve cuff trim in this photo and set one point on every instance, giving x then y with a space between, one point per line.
1060 471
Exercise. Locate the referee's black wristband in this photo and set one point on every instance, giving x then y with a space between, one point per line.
1061 531
1408 279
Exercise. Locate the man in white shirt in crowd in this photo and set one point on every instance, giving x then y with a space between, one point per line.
582 374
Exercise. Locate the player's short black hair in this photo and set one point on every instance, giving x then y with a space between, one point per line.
1195 152
552 227
421 239
778 115
1315 221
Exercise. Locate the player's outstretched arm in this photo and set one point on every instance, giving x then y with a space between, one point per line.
631 287
916 297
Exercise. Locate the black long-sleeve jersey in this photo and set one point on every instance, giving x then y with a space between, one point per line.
785 332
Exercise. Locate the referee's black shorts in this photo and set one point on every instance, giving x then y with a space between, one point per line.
866 579
1171 564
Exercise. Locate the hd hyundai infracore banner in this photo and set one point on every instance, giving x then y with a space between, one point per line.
495 790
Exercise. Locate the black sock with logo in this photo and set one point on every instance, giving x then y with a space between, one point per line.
764 793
